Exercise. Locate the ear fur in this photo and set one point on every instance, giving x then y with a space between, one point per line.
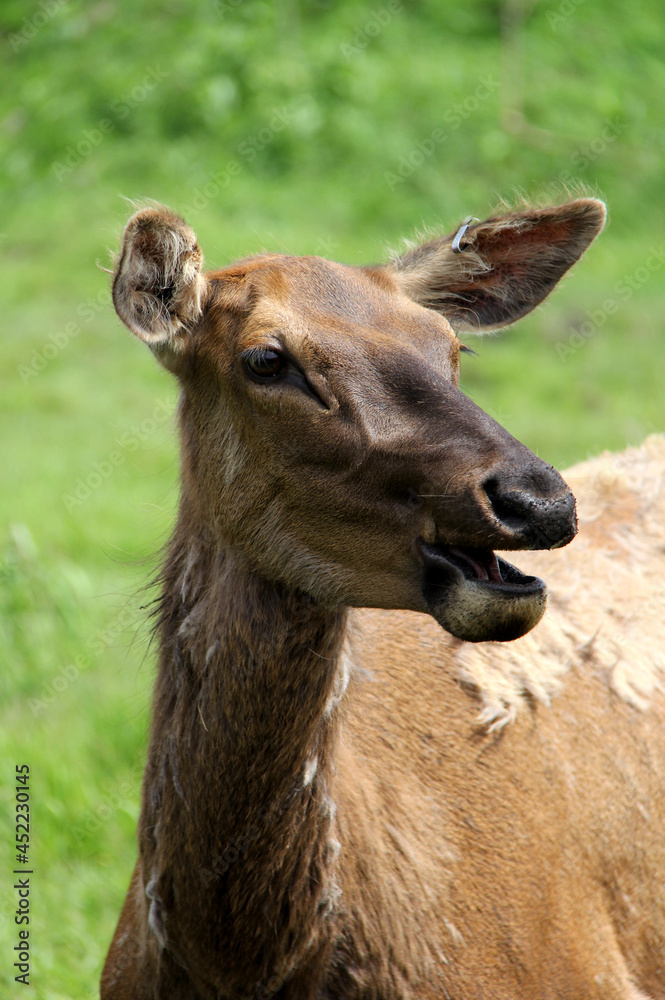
507 266
158 288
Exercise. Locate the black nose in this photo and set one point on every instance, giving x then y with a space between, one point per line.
538 509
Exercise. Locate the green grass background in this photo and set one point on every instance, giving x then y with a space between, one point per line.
569 92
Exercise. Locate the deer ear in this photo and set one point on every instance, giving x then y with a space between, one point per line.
493 272
158 288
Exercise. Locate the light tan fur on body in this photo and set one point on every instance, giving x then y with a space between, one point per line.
349 803
539 868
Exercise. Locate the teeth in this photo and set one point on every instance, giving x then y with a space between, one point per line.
494 569
477 567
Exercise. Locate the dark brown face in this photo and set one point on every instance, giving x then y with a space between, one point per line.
326 437
356 469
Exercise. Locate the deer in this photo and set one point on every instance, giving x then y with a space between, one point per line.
385 762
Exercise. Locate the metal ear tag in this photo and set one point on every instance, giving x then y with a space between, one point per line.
456 248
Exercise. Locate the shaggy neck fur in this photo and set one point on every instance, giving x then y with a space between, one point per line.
237 831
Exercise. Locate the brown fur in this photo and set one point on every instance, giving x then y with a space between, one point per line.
333 805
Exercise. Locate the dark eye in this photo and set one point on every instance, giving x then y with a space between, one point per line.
265 363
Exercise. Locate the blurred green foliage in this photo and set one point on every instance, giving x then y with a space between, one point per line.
320 127
183 84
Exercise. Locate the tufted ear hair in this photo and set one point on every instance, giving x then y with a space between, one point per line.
158 288
493 272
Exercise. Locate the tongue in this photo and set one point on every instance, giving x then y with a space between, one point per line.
483 562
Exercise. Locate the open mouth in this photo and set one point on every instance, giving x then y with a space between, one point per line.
480 565
477 596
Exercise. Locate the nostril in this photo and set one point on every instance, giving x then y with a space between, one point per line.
539 522
511 509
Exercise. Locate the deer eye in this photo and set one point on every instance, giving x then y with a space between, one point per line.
264 363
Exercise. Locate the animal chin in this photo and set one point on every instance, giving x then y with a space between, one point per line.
479 597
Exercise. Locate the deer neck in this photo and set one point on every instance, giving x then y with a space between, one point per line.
237 830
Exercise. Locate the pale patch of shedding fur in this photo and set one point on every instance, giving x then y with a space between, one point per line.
331 891
455 935
329 900
192 560
341 682
328 808
194 621
212 651
309 771
156 921
333 849
171 753
606 595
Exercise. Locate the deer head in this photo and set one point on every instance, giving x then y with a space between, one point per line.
324 436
